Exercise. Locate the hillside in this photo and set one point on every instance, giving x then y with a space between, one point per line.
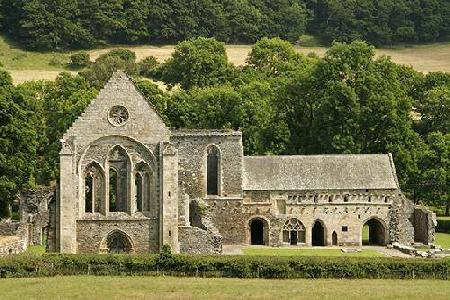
27 65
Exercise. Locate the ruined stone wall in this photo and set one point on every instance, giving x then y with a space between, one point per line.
202 236
11 245
424 226
192 147
195 240
91 234
401 227
34 211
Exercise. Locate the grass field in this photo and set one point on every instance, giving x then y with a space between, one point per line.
26 65
308 252
218 288
443 240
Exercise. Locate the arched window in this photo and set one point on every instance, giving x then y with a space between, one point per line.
139 185
118 242
294 232
88 193
119 170
112 190
144 187
213 171
93 188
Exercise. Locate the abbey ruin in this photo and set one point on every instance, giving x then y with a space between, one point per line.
129 183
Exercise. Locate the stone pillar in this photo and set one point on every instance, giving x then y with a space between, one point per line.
67 201
169 197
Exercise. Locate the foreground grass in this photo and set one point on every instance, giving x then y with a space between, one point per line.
443 239
85 287
308 252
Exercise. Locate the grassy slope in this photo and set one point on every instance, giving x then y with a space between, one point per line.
25 65
220 288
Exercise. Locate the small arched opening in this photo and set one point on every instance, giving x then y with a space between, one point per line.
334 238
294 232
373 233
118 242
318 234
258 231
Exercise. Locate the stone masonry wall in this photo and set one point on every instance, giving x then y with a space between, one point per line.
11 245
343 212
424 226
143 234
34 211
192 161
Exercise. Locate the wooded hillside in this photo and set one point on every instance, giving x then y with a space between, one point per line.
61 24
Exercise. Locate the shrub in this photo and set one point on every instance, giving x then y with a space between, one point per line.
80 60
443 225
147 66
223 266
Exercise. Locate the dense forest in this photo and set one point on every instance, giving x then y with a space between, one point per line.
284 102
63 24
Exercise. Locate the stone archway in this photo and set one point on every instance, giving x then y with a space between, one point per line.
373 233
258 231
318 237
117 242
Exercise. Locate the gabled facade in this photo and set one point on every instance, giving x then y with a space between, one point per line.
130 184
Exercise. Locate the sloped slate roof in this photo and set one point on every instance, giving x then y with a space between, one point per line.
319 172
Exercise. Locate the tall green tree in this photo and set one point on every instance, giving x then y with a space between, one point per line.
198 62
18 141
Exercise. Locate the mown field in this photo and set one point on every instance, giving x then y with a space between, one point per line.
91 287
26 65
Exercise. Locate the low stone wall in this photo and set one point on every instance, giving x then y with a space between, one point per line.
11 245
424 226
195 240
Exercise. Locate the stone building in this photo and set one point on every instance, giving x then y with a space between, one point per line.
128 183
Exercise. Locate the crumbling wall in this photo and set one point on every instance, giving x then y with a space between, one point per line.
11 245
424 226
202 236
34 211
401 227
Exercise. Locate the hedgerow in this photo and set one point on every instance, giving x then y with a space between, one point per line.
224 266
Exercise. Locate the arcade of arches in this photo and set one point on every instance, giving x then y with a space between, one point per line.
294 233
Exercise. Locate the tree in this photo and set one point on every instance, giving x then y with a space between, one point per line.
198 62
435 185
17 142
101 71
275 56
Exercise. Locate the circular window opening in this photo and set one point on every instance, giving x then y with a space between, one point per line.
118 115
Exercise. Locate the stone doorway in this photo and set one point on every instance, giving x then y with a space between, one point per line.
318 234
294 238
257 232
373 233
334 238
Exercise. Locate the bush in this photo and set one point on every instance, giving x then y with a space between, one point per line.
223 266
147 66
124 54
80 60
443 225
